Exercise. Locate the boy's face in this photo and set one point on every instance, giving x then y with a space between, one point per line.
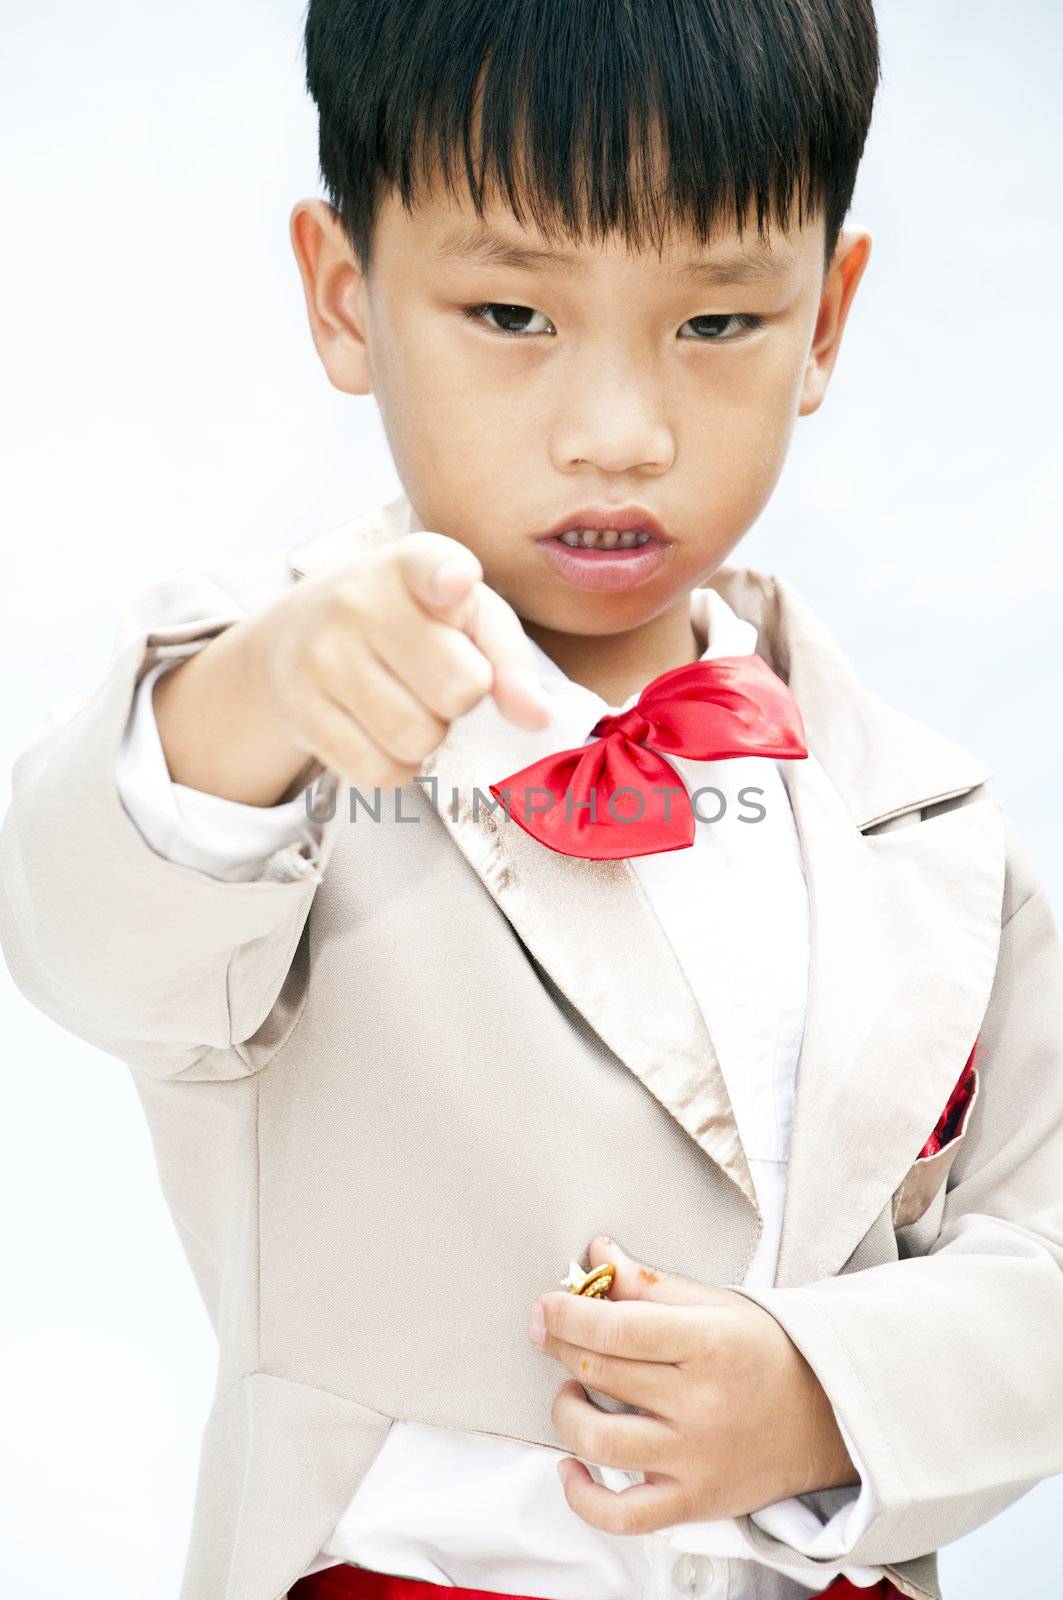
624 380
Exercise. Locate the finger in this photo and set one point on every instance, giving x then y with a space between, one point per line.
437 570
419 633
648 1384
496 630
640 1508
452 654
445 577
406 729
634 1280
439 665
636 1329
340 742
612 1439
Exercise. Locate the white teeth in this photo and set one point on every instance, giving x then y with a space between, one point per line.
604 538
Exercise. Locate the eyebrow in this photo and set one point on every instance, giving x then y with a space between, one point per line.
490 249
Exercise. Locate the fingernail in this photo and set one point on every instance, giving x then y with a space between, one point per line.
537 1325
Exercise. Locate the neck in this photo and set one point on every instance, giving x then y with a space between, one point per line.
617 665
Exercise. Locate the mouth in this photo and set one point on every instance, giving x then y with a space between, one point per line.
606 547
605 541
610 528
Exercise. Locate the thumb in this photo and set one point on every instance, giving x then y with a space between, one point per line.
637 1280
446 578
439 571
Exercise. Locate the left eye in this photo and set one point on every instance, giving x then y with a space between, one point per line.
513 320
741 320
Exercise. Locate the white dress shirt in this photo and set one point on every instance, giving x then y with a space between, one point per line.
476 1511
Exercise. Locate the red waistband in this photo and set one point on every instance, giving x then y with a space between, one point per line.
361 1582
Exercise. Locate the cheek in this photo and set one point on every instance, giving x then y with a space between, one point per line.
446 447
430 417
433 390
754 418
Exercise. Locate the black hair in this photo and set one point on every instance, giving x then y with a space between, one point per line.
752 102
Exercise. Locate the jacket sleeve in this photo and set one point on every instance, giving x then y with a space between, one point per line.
160 964
223 837
796 1521
801 1523
946 1367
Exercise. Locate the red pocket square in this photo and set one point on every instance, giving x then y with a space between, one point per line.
955 1107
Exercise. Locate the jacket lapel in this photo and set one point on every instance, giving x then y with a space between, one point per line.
590 927
904 935
904 926
904 932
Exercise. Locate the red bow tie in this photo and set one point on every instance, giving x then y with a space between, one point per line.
706 710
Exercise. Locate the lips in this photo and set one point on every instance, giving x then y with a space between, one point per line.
604 570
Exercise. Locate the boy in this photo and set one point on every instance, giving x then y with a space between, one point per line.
403 1061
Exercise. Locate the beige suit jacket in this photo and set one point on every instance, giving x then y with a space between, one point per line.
396 1083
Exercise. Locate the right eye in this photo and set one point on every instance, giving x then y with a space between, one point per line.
507 315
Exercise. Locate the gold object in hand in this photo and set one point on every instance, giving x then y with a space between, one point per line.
595 1284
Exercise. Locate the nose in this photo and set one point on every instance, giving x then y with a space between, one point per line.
613 420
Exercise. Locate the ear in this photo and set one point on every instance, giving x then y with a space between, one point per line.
334 286
839 286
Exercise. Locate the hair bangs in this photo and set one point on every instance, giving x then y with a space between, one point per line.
595 117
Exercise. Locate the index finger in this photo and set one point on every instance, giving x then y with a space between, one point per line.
495 629
492 625
637 1330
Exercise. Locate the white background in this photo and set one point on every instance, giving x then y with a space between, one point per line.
162 401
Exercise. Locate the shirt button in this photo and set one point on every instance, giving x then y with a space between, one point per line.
692 1574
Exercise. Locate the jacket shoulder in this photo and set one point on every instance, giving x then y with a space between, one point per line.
1022 879
201 590
1021 876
